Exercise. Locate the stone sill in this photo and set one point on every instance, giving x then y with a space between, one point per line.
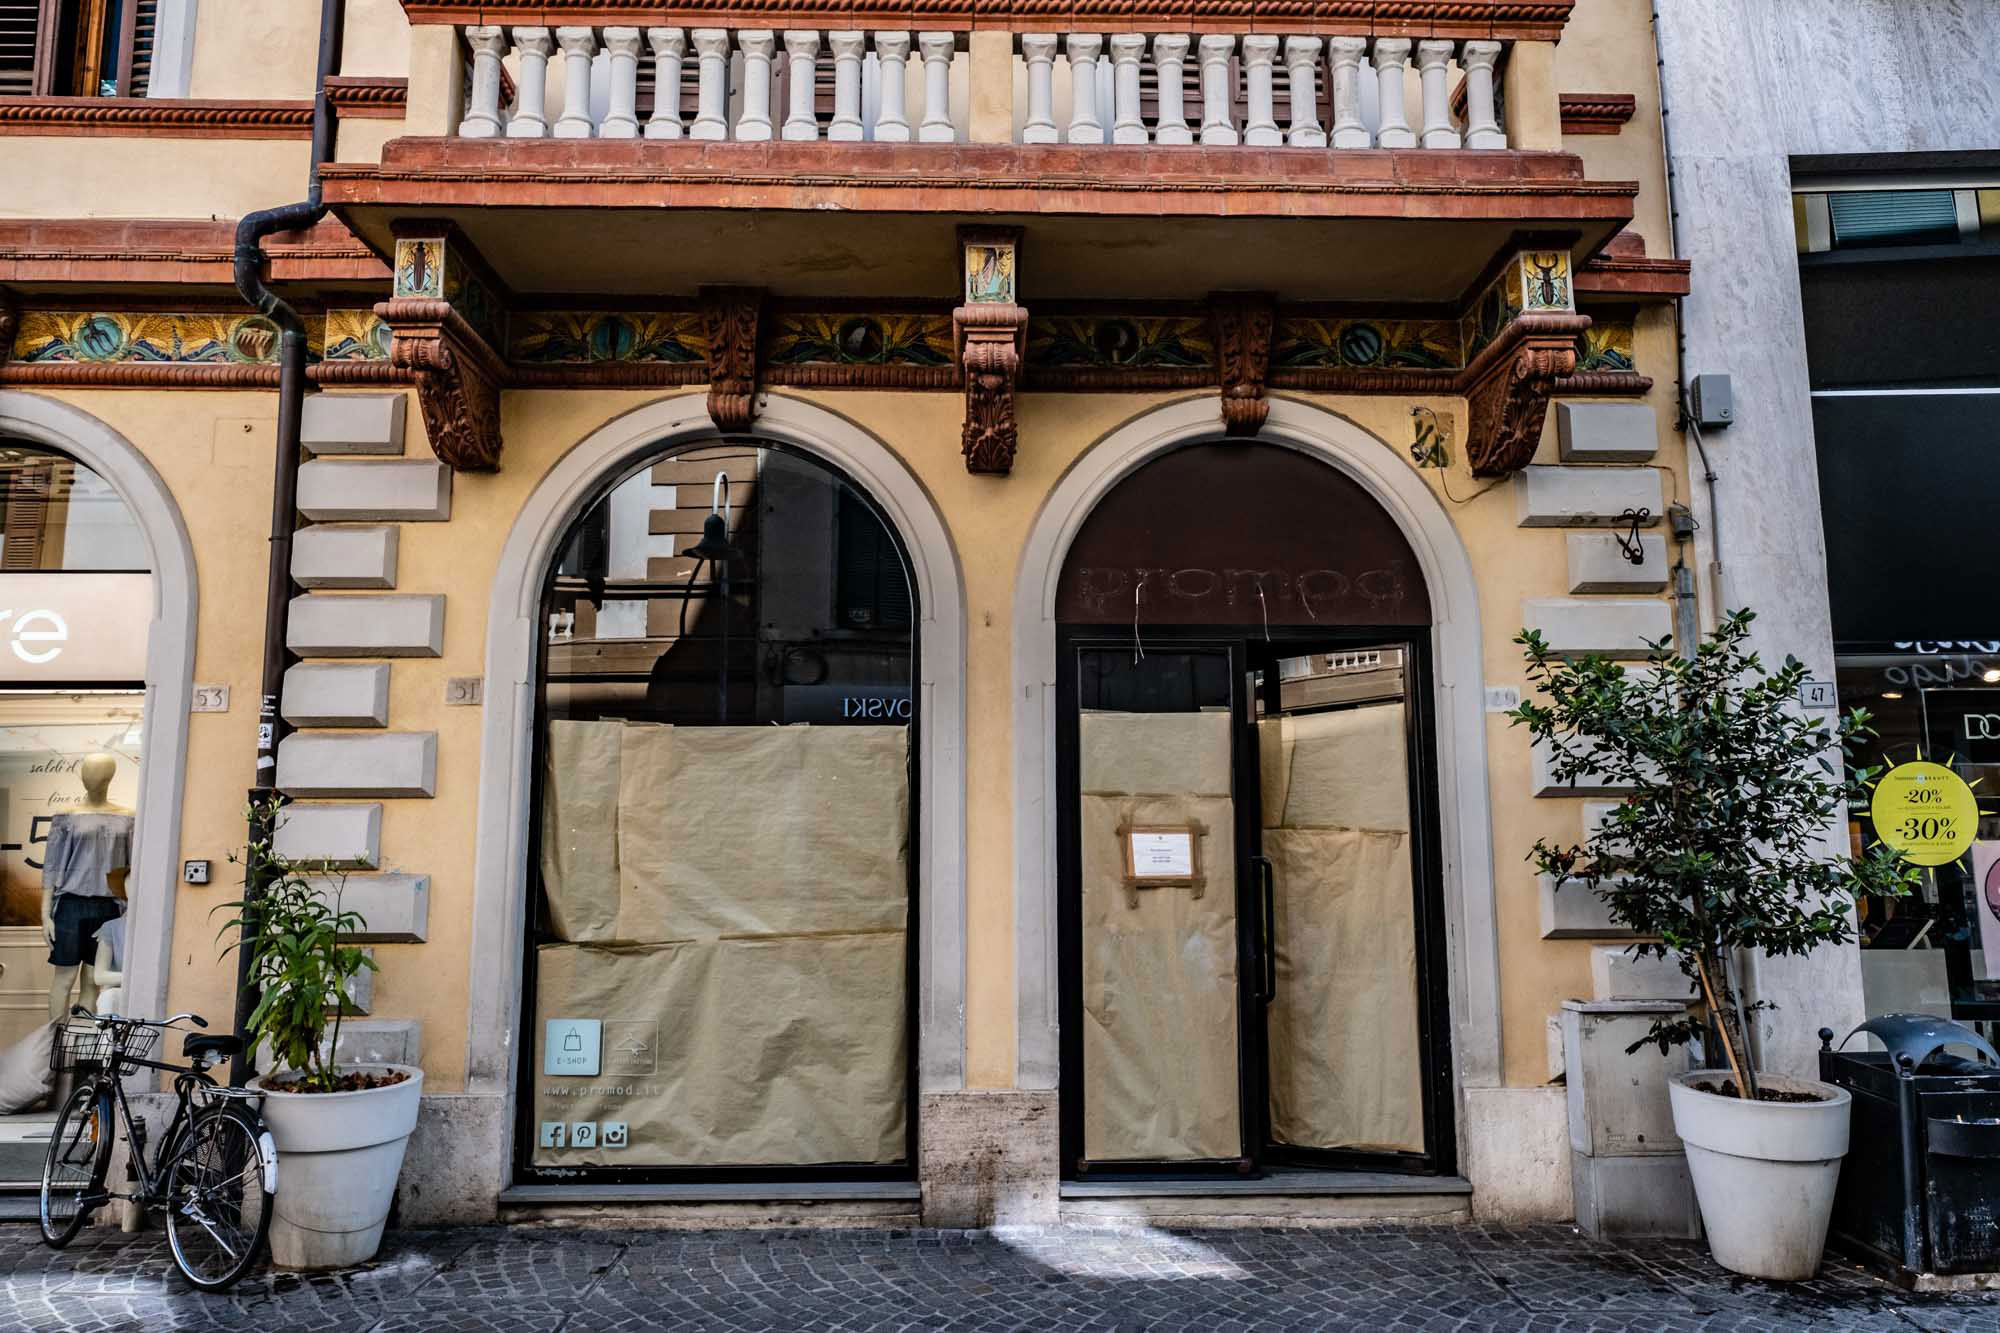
1285 1182
825 1191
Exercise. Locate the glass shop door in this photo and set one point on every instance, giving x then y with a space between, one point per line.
1160 997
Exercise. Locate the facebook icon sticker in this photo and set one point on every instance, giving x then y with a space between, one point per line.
570 1047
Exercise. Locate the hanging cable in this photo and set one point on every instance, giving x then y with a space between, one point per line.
1264 607
1138 644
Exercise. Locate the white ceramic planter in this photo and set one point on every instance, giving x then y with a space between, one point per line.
1764 1172
339 1154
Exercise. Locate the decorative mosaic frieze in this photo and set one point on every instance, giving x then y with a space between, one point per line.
350 335
1367 344
55 336
1120 341
1607 347
809 338
445 268
583 337
1534 282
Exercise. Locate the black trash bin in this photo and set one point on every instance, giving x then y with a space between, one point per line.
1920 1189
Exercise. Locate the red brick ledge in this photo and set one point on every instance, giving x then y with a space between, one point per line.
108 252
978 178
168 118
368 97
1527 20
1596 113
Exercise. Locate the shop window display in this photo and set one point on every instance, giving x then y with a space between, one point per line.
720 937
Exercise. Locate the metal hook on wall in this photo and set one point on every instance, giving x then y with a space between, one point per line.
1628 541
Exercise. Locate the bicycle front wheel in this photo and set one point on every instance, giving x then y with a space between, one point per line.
219 1199
78 1161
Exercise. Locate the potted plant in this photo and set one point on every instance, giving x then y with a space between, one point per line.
1721 846
340 1129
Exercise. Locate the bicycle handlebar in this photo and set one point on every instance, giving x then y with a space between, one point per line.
78 1011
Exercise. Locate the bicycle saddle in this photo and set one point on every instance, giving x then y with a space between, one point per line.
199 1043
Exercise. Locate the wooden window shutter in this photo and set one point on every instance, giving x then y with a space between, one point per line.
27 47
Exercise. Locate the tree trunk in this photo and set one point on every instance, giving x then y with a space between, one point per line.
1721 1002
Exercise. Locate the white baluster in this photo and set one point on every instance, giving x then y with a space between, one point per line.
621 116
937 49
1127 48
1301 60
1432 57
1482 124
1392 62
802 76
1217 125
1038 49
871 93
1082 49
711 53
482 117
579 46
758 45
1349 129
847 48
531 116
1105 101
1371 97
1260 122
668 45
892 125
1169 58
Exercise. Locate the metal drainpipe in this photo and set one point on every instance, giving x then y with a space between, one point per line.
250 232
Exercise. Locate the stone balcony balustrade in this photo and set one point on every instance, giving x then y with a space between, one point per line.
1255 89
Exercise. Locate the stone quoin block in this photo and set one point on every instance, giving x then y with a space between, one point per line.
395 909
353 423
1611 627
368 1041
359 992
1573 912
1616 975
395 763
343 836
1597 563
1606 432
336 696
333 489
337 556
1544 781
333 626
1548 496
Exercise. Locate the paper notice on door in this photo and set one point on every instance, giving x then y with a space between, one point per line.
1162 854
1986 897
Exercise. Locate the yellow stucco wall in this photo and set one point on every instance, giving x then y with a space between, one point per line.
61 176
1607 47
213 450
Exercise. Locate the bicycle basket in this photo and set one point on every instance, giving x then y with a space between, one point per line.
81 1047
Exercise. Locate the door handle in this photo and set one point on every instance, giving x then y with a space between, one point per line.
1267 929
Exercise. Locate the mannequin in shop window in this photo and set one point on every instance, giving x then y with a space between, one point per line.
83 883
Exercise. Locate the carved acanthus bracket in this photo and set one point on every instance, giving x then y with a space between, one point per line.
731 317
990 338
1241 323
458 379
1507 390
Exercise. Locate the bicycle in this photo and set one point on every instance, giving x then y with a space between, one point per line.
215 1173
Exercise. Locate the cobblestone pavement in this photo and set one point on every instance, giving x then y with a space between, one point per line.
576 1281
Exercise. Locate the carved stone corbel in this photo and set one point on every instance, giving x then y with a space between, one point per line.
990 339
458 379
731 317
1507 389
1241 325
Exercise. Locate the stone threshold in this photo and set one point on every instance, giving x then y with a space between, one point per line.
1289 1182
823 1191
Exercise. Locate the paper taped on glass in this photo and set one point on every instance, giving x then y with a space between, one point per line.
755 909
1159 978
1344 1036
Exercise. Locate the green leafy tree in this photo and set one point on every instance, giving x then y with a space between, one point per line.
1721 845
298 966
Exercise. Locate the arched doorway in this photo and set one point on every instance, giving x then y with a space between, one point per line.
721 963
1251 939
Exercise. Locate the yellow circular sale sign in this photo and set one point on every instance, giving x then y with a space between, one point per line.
1926 812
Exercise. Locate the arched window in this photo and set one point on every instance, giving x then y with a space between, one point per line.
720 933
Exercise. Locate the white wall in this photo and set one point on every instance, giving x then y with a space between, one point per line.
1749 84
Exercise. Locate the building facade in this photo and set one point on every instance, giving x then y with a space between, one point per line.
898 620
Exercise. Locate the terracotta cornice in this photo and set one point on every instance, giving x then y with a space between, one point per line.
1603 383
1616 275
165 117
155 375
1596 113
976 178
106 252
368 96
1527 20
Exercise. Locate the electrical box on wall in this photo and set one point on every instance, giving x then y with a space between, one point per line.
1712 401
